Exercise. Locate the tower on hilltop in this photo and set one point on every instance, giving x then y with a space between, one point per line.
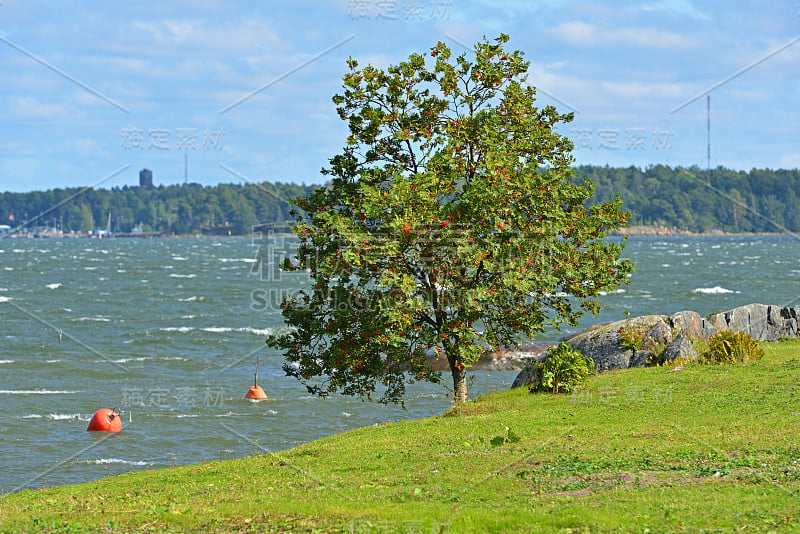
145 178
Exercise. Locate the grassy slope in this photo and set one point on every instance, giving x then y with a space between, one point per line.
715 449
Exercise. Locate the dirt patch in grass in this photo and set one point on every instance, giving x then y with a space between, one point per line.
598 482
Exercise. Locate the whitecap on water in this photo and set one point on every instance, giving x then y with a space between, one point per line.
220 329
5 299
67 416
6 361
177 328
602 293
116 461
36 392
716 290
126 360
175 275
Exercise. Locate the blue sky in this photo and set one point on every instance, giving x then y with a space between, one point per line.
92 92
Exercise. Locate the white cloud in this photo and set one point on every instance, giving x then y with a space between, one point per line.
588 35
247 34
682 7
28 107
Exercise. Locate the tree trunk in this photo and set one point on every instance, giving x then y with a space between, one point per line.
459 386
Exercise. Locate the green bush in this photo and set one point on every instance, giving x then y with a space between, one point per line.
631 337
563 369
731 347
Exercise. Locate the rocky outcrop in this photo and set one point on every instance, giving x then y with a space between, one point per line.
501 360
690 324
761 322
681 348
644 339
604 346
529 376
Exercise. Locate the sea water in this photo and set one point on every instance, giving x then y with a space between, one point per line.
169 330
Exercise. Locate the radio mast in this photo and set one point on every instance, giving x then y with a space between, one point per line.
708 128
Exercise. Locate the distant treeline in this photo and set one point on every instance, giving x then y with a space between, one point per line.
761 200
755 201
175 209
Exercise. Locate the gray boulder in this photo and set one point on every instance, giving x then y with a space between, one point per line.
681 347
602 344
529 376
690 324
659 335
761 322
641 358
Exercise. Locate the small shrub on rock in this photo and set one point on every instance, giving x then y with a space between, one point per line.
731 347
562 370
631 337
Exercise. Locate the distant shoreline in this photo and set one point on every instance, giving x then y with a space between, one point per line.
640 230
673 231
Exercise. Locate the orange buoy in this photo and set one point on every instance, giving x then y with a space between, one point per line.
105 420
255 391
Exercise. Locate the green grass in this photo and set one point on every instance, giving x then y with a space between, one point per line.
704 449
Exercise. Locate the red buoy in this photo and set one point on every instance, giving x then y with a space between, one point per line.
105 420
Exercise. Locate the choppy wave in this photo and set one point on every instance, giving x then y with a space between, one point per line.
36 392
126 360
193 298
67 416
604 293
53 286
5 299
175 275
116 461
716 290
6 361
218 329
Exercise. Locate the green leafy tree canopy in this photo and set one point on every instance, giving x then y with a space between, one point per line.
451 224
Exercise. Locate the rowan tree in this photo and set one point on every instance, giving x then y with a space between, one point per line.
451 224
